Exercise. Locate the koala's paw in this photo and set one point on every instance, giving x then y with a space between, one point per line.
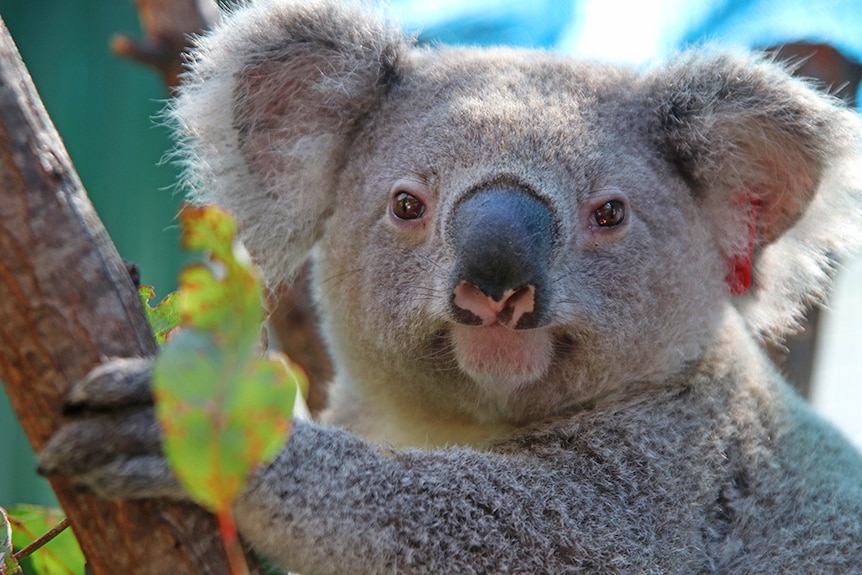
111 444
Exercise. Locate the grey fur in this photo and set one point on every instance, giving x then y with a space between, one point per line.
650 434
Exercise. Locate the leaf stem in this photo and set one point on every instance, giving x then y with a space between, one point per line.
232 545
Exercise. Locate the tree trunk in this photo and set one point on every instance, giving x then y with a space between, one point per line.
66 303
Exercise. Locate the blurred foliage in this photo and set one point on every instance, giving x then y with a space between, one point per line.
223 402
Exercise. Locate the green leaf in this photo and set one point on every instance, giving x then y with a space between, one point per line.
61 555
207 228
163 318
223 407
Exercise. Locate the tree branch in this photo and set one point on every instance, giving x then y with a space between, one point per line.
66 303
169 26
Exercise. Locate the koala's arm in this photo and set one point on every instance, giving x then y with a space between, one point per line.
608 490
331 503
334 503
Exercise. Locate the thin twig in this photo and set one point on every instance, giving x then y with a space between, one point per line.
43 540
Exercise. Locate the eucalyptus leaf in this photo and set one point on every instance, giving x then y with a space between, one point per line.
224 407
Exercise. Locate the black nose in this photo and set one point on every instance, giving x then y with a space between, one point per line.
503 240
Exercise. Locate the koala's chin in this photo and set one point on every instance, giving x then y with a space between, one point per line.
500 359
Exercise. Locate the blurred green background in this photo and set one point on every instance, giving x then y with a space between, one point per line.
104 109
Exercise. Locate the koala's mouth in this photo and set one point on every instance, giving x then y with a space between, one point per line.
501 359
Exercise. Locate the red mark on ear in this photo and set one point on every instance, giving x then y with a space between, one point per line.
739 275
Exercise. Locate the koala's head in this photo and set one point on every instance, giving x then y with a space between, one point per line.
503 233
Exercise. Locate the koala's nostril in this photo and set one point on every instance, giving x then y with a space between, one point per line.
508 310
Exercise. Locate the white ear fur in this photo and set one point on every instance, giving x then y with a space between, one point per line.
266 113
795 272
742 130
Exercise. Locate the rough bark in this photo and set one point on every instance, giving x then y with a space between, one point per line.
66 302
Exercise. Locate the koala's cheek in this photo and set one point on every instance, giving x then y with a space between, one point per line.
502 359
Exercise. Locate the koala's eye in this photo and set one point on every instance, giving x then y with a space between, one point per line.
407 207
610 214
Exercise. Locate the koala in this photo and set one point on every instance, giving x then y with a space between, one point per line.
544 283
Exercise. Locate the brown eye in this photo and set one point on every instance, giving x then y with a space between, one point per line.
407 207
610 214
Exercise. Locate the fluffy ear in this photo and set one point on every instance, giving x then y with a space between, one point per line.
778 169
266 113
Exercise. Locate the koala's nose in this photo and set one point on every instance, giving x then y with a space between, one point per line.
503 240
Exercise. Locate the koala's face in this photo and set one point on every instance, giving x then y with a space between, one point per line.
501 240
500 234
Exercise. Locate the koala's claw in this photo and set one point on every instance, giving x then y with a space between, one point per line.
97 440
135 478
119 382
112 444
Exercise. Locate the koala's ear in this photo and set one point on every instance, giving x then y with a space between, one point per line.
266 114
778 169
